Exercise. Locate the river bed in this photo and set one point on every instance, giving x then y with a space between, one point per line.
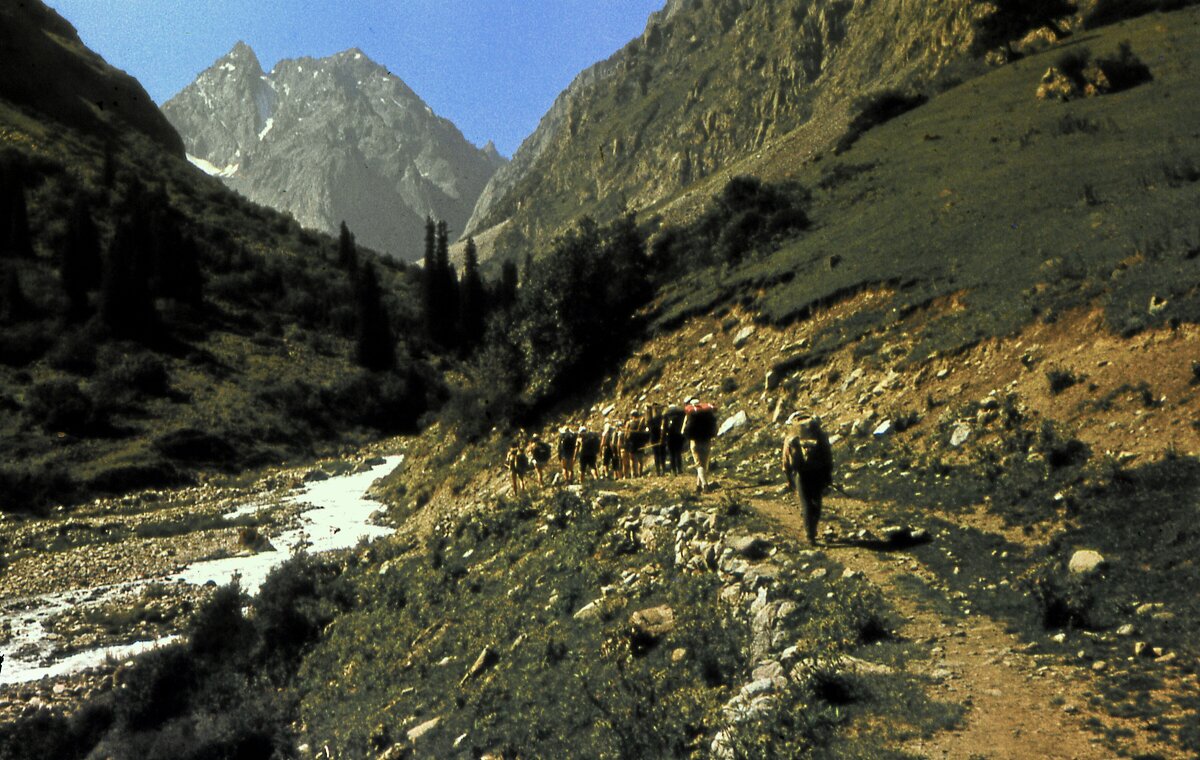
336 515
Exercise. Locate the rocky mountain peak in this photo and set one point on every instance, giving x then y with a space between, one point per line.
332 139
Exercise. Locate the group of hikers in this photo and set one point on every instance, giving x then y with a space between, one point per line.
618 451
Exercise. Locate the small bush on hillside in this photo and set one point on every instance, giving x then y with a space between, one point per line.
1059 379
1107 12
21 345
26 488
1126 70
873 110
61 406
75 353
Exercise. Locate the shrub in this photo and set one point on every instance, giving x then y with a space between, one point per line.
1059 379
61 406
875 109
76 353
1107 12
1126 70
33 488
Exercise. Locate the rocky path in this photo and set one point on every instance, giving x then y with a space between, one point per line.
1019 705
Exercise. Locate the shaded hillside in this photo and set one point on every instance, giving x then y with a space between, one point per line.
154 324
710 82
330 140
46 67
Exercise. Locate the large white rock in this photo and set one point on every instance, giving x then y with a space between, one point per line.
736 422
1086 562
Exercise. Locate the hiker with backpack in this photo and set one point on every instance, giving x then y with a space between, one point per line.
587 452
518 465
808 464
567 440
700 427
658 443
538 452
637 438
609 459
672 435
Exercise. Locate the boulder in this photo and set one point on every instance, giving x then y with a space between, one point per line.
743 336
884 428
752 547
416 732
736 422
960 434
652 623
772 380
486 659
1086 562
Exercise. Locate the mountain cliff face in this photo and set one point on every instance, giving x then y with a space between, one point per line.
332 139
708 83
48 70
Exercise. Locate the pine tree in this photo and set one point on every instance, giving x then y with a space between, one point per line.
347 249
472 299
375 345
15 240
14 305
446 287
126 303
506 292
429 281
81 266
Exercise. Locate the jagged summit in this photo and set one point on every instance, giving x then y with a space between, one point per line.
332 139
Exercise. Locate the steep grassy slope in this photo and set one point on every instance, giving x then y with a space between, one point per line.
45 62
259 366
1018 207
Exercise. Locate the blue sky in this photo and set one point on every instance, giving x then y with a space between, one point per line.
493 67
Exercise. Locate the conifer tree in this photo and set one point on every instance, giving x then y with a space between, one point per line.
429 281
126 303
15 239
81 266
506 292
446 287
14 306
347 249
375 345
472 298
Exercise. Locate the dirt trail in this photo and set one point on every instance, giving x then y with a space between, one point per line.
1017 707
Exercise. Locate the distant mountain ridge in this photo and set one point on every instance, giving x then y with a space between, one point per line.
332 139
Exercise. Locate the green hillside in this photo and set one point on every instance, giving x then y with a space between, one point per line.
242 353
1023 207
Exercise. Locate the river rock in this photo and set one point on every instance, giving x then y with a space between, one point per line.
1087 562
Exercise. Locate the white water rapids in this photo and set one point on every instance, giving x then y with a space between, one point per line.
338 518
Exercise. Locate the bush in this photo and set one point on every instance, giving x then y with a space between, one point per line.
876 109
1126 70
32 488
76 353
1059 379
1107 12
61 406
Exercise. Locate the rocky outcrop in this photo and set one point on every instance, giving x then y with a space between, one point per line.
48 70
332 139
708 83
